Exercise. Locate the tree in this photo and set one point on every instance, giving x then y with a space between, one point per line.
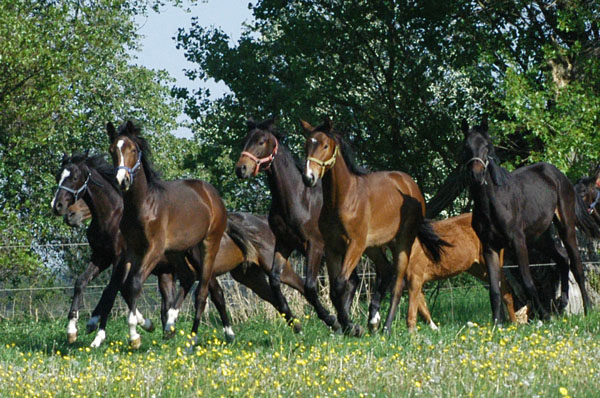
65 71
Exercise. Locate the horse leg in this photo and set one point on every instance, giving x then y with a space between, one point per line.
568 237
279 259
204 268
547 245
166 287
401 256
186 281
256 280
343 290
384 271
520 248
216 296
313 261
492 261
424 310
81 283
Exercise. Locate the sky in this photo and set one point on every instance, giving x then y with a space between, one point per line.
158 49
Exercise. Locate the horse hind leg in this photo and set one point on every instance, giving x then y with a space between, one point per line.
520 248
90 273
217 297
384 272
274 274
313 262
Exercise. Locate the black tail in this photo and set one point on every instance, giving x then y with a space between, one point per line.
240 236
431 241
583 219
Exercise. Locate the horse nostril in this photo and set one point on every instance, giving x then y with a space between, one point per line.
59 206
244 168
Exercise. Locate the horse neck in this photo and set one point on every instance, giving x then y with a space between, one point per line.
284 179
103 201
134 197
337 183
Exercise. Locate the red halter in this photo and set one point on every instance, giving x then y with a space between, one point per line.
260 161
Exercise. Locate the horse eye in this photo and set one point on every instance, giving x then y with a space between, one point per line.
261 143
326 146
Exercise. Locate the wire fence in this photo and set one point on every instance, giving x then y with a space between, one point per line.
54 302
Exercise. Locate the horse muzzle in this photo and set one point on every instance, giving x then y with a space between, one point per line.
242 171
124 180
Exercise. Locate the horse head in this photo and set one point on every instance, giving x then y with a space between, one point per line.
72 178
260 148
321 150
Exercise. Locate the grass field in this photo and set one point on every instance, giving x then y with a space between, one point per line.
467 357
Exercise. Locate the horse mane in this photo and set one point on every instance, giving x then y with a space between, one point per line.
348 154
106 170
152 175
499 175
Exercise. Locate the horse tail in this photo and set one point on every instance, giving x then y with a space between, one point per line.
431 242
239 234
584 220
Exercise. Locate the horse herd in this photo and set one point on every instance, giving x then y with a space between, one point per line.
329 206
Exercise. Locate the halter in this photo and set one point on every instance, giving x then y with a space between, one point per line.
77 192
592 207
260 161
325 163
135 167
485 163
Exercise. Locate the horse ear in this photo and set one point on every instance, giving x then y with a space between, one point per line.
64 160
130 128
464 126
111 131
269 125
484 124
250 123
307 127
327 124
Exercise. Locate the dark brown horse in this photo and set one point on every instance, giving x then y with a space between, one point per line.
181 220
363 210
92 180
465 255
512 210
588 189
293 216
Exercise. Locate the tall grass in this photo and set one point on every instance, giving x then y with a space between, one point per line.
467 357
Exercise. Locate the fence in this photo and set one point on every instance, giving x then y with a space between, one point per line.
54 302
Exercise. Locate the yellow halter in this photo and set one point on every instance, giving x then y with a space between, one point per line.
326 163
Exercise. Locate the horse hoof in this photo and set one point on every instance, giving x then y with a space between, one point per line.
296 325
168 334
71 338
229 338
354 330
373 327
149 328
336 327
91 327
135 343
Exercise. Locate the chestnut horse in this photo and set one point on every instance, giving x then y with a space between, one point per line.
77 213
465 255
293 216
181 220
514 209
363 210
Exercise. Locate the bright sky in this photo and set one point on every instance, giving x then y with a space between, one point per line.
158 45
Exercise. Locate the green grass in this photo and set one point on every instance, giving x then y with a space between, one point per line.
560 357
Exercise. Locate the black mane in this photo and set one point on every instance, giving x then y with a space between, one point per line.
106 170
347 153
152 175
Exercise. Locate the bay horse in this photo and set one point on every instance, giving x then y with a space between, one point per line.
465 255
293 217
512 210
246 249
180 220
363 210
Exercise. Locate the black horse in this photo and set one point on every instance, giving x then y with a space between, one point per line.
512 210
294 218
588 189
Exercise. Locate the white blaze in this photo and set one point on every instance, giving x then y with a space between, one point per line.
65 174
309 172
121 173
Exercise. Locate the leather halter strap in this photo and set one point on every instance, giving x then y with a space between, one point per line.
258 161
592 207
325 163
75 192
485 163
133 169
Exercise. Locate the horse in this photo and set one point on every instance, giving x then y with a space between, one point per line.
465 255
588 189
180 220
293 216
512 210
237 249
91 180
363 210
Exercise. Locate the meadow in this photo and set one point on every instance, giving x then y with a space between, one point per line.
467 357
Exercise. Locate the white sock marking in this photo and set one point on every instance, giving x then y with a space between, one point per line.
433 326
376 318
100 337
72 326
132 320
172 314
228 331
